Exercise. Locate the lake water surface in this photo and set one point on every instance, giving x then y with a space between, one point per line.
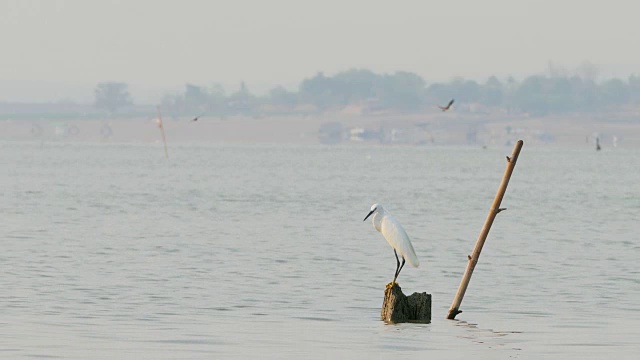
113 252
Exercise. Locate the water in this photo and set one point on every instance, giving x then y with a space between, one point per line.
111 251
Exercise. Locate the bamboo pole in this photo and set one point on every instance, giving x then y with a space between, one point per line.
164 139
495 209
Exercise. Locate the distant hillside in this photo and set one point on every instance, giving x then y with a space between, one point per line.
363 92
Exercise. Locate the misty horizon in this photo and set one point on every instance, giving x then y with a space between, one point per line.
60 50
62 92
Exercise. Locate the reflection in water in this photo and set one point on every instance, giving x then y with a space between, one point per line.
485 336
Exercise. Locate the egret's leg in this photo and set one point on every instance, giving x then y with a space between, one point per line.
401 266
397 267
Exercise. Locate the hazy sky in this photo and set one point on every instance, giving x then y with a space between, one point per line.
53 49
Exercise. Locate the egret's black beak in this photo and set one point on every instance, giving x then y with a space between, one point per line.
369 214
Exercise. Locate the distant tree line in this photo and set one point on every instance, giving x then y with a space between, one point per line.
111 96
402 92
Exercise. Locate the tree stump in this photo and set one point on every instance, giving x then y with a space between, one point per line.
399 308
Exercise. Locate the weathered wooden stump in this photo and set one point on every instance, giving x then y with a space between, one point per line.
399 308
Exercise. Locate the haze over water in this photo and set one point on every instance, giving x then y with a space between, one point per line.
111 251
59 50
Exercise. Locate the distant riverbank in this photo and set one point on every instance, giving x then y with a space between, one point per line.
450 129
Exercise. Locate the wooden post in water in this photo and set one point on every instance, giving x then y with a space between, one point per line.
495 209
164 139
399 308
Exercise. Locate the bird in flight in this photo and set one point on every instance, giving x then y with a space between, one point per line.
196 118
395 235
445 108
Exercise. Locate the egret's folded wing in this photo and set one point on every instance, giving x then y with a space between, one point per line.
394 233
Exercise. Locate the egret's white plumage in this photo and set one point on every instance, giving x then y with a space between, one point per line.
395 235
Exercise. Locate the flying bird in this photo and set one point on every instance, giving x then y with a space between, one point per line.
445 108
196 118
395 235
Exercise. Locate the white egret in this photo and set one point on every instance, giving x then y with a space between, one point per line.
395 235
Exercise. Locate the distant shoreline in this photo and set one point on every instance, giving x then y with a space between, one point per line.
421 129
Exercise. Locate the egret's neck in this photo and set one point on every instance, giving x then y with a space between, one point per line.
377 220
